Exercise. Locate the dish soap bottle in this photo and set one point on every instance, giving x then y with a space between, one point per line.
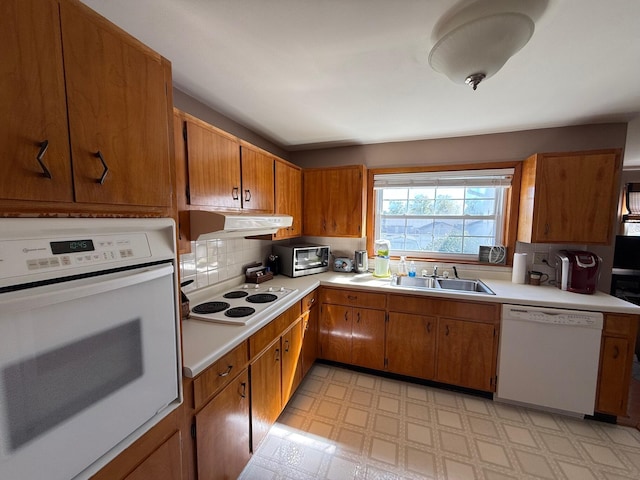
402 267
412 269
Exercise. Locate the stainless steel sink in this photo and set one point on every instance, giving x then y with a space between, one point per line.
464 285
418 282
460 284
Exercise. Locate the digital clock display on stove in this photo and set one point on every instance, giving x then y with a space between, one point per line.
72 246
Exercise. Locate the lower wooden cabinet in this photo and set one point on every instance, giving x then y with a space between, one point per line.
222 432
466 354
291 344
616 359
266 392
310 332
163 464
411 344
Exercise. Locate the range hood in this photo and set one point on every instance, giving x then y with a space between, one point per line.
207 225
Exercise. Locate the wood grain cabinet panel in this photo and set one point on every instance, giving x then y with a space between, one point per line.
163 464
118 113
310 329
288 197
411 344
266 392
367 338
334 336
466 354
257 179
334 201
616 363
569 197
291 352
213 159
33 104
222 432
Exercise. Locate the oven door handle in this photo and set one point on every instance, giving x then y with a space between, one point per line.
43 296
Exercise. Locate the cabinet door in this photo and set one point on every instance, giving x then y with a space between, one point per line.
214 167
288 198
367 338
257 180
334 336
466 354
310 341
334 201
163 464
575 198
411 344
266 388
118 113
613 382
222 432
291 351
33 104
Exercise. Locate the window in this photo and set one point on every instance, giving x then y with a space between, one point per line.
441 214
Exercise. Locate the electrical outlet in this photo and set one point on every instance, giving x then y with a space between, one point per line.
540 258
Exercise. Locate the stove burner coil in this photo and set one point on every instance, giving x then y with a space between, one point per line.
236 312
262 298
235 294
210 307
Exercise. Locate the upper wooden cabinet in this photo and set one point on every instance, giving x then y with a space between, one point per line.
334 201
225 172
33 110
257 179
288 197
569 197
116 107
213 158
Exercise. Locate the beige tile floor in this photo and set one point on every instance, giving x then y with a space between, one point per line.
347 425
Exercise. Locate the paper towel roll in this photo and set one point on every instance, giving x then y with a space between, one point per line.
519 272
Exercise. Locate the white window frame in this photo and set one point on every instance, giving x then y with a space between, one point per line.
445 179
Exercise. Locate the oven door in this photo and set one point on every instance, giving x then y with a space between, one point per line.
83 365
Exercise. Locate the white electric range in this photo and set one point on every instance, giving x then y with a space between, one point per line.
240 305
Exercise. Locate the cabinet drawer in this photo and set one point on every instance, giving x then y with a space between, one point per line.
219 374
475 311
620 325
263 337
309 300
354 298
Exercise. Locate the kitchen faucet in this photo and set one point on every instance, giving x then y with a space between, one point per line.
455 271
435 271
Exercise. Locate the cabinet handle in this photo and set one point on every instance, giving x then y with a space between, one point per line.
324 225
224 374
286 345
311 302
247 195
98 154
43 149
358 315
277 354
616 351
234 193
546 229
243 390
346 316
446 333
428 327
352 297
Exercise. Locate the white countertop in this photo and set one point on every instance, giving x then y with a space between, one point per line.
204 342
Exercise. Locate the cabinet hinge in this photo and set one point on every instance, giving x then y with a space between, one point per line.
193 431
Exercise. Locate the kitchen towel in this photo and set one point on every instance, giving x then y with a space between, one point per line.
519 272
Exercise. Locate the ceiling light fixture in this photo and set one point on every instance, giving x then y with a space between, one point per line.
476 50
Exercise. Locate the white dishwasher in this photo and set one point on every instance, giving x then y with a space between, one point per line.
549 358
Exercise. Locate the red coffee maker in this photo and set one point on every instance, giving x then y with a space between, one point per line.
577 271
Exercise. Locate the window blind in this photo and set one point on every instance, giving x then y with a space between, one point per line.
468 178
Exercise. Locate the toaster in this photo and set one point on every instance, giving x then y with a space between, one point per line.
577 271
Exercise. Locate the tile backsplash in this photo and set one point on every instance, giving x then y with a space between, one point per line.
213 261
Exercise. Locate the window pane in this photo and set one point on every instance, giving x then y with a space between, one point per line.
394 207
478 228
472 244
479 207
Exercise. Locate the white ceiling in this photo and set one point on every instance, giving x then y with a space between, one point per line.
315 72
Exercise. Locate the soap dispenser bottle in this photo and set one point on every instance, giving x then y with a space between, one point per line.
412 269
402 267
